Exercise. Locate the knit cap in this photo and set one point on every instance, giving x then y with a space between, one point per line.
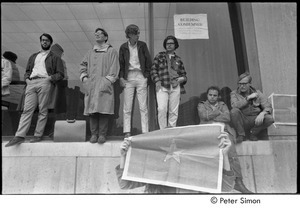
10 56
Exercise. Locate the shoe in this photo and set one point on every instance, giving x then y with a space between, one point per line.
101 139
127 135
239 186
240 139
15 140
93 139
35 139
252 137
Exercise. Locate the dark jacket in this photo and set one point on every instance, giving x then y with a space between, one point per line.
55 69
54 66
144 58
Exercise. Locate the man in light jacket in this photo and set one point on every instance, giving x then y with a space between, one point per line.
99 70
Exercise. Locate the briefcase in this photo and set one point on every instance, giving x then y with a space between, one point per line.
70 131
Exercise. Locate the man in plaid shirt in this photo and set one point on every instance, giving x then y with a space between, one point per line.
169 76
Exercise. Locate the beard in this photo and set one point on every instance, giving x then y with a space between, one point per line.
46 48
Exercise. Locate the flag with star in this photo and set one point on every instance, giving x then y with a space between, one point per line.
284 109
184 157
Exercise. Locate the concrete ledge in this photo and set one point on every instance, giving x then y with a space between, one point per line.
108 149
282 130
254 148
84 168
38 175
70 149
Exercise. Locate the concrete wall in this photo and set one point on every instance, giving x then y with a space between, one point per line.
85 168
61 168
276 38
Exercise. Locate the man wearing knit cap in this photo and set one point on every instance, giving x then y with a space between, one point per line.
6 76
10 74
12 57
44 68
58 95
251 111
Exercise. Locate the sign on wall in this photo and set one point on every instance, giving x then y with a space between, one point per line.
191 26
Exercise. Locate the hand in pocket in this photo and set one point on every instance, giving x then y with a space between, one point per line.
86 85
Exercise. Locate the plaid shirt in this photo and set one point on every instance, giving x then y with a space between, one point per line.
159 70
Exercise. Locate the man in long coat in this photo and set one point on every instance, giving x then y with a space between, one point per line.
99 69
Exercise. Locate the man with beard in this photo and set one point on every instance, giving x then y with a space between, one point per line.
44 68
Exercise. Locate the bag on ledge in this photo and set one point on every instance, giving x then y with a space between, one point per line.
71 130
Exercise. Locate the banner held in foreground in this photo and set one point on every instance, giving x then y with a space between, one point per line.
184 157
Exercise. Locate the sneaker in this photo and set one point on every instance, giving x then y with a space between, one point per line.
101 139
35 139
15 140
93 139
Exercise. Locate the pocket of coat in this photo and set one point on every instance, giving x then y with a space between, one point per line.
106 86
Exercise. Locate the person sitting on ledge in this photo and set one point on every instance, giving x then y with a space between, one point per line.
251 111
214 111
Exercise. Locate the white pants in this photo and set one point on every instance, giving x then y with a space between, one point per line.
168 102
135 81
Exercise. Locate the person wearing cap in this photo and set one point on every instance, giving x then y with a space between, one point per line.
12 58
99 69
44 68
169 75
135 65
6 76
10 76
251 110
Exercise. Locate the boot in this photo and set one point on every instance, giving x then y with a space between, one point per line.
93 138
239 186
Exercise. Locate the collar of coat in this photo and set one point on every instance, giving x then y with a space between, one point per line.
103 48
49 54
138 44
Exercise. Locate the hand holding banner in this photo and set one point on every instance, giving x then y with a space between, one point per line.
183 157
